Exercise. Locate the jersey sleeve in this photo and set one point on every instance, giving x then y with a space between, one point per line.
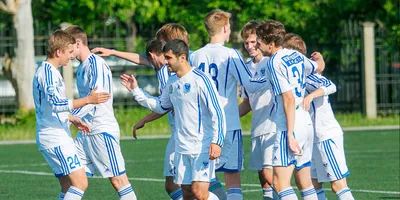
159 104
315 81
277 73
242 74
210 98
310 66
52 93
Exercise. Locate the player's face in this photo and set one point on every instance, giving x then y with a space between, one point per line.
171 61
157 60
266 49
66 55
76 50
250 43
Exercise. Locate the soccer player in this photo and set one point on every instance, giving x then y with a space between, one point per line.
155 59
263 127
100 150
53 136
226 68
292 149
329 163
199 119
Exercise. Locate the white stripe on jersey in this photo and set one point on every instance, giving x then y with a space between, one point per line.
325 124
94 72
52 107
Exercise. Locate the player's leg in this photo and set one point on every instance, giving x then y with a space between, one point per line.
203 172
183 175
317 168
217 188
79 183
174 190
231 163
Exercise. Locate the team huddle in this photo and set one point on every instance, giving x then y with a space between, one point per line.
294 131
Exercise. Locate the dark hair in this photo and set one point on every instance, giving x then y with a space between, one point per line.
271 31
154 46
249 28
177 46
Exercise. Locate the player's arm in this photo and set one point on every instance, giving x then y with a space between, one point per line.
320 86
244 107
315 64
149 118
78 123
159 104
209 96
243 75
133 57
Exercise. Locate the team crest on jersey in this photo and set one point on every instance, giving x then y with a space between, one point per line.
263 71
186 88
50 89
171 89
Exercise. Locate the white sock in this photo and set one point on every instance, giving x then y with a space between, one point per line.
321 194
344 194
176 195
235 194
74 193
268 194
218 190
309 193
287 194
126 193
212 196
62 195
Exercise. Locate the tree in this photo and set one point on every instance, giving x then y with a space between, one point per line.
20 69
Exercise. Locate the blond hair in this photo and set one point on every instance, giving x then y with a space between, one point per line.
172 31
293 41
78 33
215 20
58 40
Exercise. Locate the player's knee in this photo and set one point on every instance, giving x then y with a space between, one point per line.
119 181
81 184
198 194
170 186
187 193
338 185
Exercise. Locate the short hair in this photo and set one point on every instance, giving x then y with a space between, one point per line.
294 41
271 31
177 46
249 28
171 31
58 40
154 46
78 33
215 20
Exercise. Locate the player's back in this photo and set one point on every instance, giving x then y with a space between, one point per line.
218 63
49 96
94 72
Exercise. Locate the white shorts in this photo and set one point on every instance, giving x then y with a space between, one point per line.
231 159
329 162
282 156
63 159
193 167
261 152
169 168
100 153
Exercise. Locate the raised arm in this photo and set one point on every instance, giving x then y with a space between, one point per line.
133 57
320 86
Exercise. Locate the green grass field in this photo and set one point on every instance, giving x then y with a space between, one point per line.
372 156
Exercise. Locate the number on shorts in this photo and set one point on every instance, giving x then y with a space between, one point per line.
73 162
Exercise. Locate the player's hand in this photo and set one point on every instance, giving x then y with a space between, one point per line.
81 125
294 146
129 82
139 125
103 51
307 102
96 98
214 151
316 56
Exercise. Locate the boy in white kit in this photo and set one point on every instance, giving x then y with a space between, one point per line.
226 68
329 163
293 143
53 136
199 120
100 150
263 128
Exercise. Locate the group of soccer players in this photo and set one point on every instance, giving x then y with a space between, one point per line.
292 123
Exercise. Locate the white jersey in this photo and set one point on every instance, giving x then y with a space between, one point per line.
199 118
94 72
325 124
260 102
163 75
226 68
288 70
52 108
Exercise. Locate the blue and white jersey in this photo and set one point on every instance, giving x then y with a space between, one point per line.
325 124
94 72
288 70
199 118
260 102
226 68
163 75
52 107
